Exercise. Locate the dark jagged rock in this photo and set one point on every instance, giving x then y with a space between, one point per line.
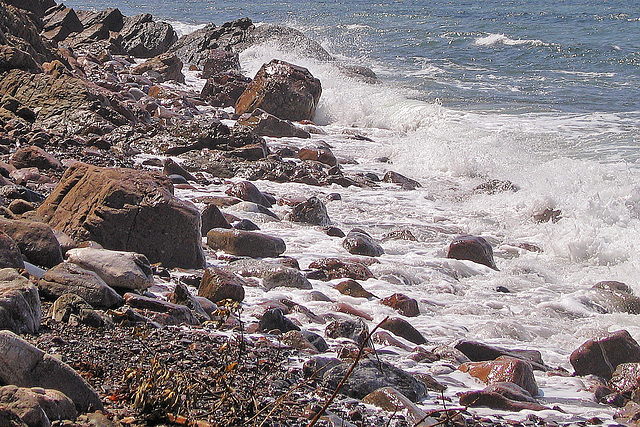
114 207
111 18
311 211
201 134
396 178
353 329
143 37
478 352
37 7
172 168
287 91
275 319
601 357
219 61
247 191
472 248
60 22
12 57
266 124
193 48
404 329
359 242
224 89
21 32
212 218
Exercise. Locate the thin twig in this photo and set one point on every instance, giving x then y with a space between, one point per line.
346 376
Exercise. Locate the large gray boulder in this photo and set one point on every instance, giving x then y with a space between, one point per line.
24 365
20 309
118 269
142 37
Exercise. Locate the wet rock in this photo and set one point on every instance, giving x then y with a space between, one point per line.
287 91
248 192
212 218
400 235
354 289
387 339
295 339
118 269
333 231
334 268
218 285
402 328
503 396
495 186
24 365
10 256
392 400
285 277
274 319
402 304
355 330
316 341
245 243
170 167
245 225
319 154
503 369
224 89
312 211
553 215
36 241
194 48
342 307
614 297
128 210
167 66
72 309
396 178
37 406
359 242
218 61
144 38
370 375
625 377
174 314
71 278
316 367
602 356
265 124
472 248
20 309
479 352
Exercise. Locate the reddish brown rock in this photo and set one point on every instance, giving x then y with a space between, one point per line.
403 304
404 329
10 256
359 242
472 248
354 289
34 156
287 91
247 191
503 369
245 243
167 65
334 268
213 218
36 241
265 124
479 352
625 378
601 357
223 90
129 210
218 285
320 154
396 178
311 211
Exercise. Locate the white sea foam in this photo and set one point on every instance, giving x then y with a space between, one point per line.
494 39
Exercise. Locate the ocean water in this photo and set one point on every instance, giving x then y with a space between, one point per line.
543 94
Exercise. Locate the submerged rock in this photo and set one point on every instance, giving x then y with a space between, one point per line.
472 248
359 242
311 211
403 304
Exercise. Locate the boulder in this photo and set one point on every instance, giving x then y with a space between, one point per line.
404 329
170 167
111 18
319 154
295 339
479 352
334 268
503 369
285 277
396 178
625 377
37 406
218 285
224 89
36 241
502 395
68 277
194 48
217 61
245 243
167 66
472 248
275 319
312 211
61 22
602 356
359 242
144 38
248 192
370 375
391 400
403 304
174 314
10 256
355 330
20 309
126 210
354 289
34 156
72 309
12 57
287 91
24 365
118 269
212 218
265 124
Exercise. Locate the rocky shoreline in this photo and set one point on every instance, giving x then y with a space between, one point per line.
124 303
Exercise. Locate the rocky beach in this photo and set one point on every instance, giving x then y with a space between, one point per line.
189 242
